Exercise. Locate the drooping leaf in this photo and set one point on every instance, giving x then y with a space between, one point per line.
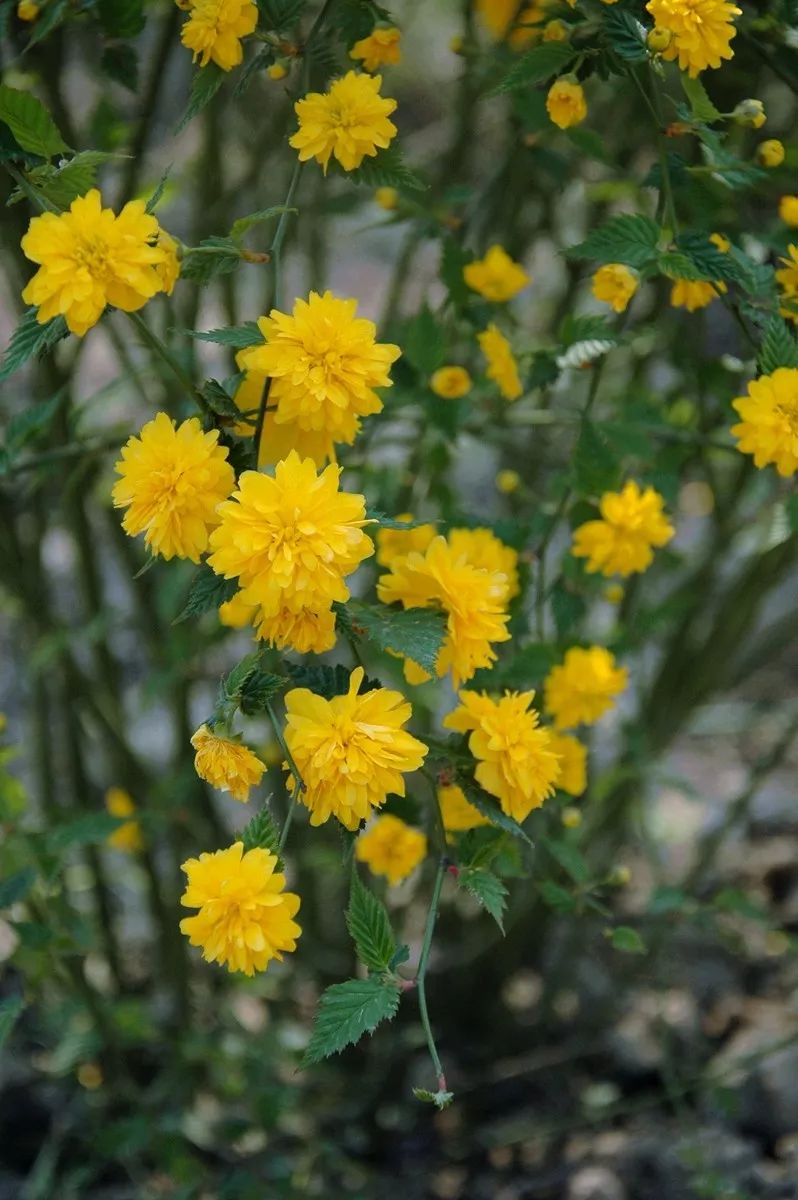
346 1012
625 34
370 927
489 807
238 337
326 681
258 689
31 124
568 856
631 239
700 104
30 338
208 590
487 889
536 65
387 169
205 85
281 15
213 257
29 424
415 633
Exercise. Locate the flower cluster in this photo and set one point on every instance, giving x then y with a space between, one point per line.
700 30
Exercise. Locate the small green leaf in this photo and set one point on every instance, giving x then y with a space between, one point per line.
700 104
415 633
30 338
537 65
208 590
326 681
386 522
219 400
487 889
387 169
121 18
631 239
83 831
556 897
16 887
282 15
779 347
258 689
595 467
423 344
213 257
624 938
244 224
29 424
489 807
569 858
10 1011
261 832
31 124
236 336
346 1012
441 1100
205 85
625 34
370 927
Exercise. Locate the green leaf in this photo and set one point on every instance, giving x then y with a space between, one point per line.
258 689
595 467
625 34
157 195
48 20
219 400
779 347
569 858
83 831
386 522
214 256
423 344
556 897
16 887
205 85
487 889
631 239
370 927
10 1011
121 18
415 633
624 938
326 681
30 338
31 124
536 65
440 1099
236 336
120 63
261 832
791 506
453 261
281 15
61 185
346 1012
568 609
700 104
489 807
244 224
387 169
208 590
24 427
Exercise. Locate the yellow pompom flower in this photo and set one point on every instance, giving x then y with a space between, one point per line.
391 848
768 428
169 269
700 30
481 548
508 482
27 10
457 811
396 543
126 837
515 759
245 917
622 542
565 103
496 276
573 763
324 363
583 687
214 30
615 284
306 630
450 383
788 210
88 258
349 122
226 763
171 481
291 538
502 367
381 48
770 154
352 751
472 598
693 294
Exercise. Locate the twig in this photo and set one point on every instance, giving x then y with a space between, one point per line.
421 975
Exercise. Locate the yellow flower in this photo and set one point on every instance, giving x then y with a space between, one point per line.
226 764
496 276
27 10
565 103
555 31
391 848
472 598
583 687
481 548
496 15
169 270
721 242
450 383
380 47
693 294
770 153
527 27
701 31
787 279
349 122
501 17
290 539
127 837
573 763
396 543
615 285
236 613
508 482
171 481
502 367
387 198
305 630
457 811
277 71
214 30
351 751
90 258
324 363
245 916
632 524
788 210
769 426
515 759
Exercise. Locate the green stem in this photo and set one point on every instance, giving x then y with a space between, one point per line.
421 976
299 783
156 345
289 816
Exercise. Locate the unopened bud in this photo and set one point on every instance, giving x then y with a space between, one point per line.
276 71
555 31
770 154
619 876
658 40
571 817
750 113
387 198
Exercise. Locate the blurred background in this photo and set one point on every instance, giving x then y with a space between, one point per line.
662 1068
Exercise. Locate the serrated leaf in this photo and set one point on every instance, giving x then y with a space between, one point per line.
779 347
625 34
569 858
121 18
440 1099
157 195
61 185
258 689
219 400
281 15
346 1012
386 522
370 928
244 224
325 680
355 19
624 938
631 239
30 338
261 832
489 807
208 590
236 336
537 65
27 425
83 831
594 464
701 106
11 1008
120 63
213 257
16 887
423 344
487 889
387 169
415 633
204 86
31 124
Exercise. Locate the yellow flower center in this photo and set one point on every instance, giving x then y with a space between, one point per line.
788 411
92 253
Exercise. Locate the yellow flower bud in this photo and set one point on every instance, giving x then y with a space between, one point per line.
277 71
89 1074
788 210
555 31
613 594
770 154
571 817
387 198
27 10
750 113
508 482
450 383
456 44
620 876
658 40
